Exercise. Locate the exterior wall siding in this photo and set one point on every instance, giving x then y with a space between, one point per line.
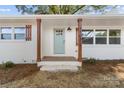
21 51
18 51
103 52
48 40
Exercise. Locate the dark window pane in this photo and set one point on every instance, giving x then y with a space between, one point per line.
6 36
101 32
114 32
114 40
87 33
101 40
87 40
19 36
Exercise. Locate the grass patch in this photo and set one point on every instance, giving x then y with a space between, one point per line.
89 61
7 64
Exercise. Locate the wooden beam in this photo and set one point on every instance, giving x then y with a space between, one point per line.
79 40
38 40
76 36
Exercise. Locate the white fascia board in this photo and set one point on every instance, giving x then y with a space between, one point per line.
61 16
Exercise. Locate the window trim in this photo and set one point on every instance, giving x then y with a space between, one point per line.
107 36
6 33
19 33
12 34
88 37
114 36
100 36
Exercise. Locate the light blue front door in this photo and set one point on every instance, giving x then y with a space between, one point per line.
59 41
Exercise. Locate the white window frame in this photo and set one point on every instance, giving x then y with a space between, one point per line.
18 33
12 34
100 36
87 37
107 28
6 33
114 36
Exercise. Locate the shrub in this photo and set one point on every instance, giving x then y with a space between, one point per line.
89 60
7 64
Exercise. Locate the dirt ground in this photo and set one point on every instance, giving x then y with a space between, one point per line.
17 72
98 75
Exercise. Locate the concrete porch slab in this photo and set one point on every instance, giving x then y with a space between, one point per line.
53 63
59 68
59 65
50 63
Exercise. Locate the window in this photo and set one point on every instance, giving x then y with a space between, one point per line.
6 33
114 36
19 33
16 33
101 36
87 36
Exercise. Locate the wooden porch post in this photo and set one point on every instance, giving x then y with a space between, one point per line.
79 40
38 40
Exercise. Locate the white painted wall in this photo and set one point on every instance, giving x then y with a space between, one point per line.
106 51
95 51
48 38
18 50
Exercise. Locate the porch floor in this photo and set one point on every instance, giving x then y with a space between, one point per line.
59 58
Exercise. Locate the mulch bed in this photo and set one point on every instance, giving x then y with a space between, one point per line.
17 72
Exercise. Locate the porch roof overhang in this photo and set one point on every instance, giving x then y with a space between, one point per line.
61 16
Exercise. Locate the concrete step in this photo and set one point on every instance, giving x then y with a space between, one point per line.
56 68
59 63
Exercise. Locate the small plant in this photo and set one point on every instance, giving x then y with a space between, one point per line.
89 60
7 64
